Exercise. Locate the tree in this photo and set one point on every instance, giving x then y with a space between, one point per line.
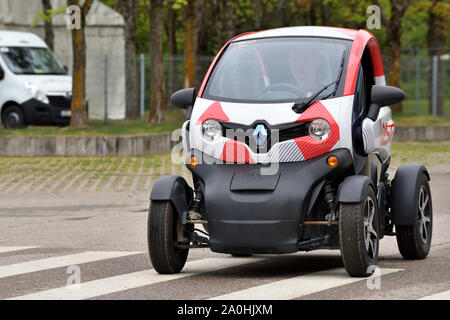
157 92
228 19
190 45
394 35
47 15
170 27
128 10
438 14
48 26
78 105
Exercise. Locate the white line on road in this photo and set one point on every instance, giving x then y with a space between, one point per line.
133 280
445 295
298 286
61 261
11 249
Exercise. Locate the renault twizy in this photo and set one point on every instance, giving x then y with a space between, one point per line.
289 141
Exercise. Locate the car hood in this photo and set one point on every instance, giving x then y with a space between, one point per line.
50 84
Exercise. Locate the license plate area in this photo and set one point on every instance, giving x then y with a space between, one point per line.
65 113
253 180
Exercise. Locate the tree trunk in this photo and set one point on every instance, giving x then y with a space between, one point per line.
281 13
312 13
202 41
157 94
258 14
173 82
394 34
190 45
437 32
229 19
48 25
128 10
78 105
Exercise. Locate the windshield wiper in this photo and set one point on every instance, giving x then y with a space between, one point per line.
300 107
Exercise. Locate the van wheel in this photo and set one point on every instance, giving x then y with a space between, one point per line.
359 231
162 235
12 118
414 241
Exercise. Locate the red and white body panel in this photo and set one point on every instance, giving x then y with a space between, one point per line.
337 112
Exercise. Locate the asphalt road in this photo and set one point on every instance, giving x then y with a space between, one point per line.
50 240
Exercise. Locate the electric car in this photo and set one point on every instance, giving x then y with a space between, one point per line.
288 141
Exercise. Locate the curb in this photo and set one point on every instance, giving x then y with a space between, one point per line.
126 146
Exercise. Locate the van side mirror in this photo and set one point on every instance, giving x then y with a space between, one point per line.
183 98
2 73
66 69
383 96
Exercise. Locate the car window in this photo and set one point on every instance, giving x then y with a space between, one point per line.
360 95
276 69
28 60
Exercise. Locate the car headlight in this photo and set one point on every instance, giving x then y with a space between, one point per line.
319 129
211 130
36 93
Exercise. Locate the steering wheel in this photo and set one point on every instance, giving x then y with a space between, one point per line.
282 86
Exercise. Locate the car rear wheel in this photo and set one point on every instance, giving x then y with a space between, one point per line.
13 118
359 235
414 241
162 235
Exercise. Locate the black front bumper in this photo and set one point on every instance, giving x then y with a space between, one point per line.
39 113
256 214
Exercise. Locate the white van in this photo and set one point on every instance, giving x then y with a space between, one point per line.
34 88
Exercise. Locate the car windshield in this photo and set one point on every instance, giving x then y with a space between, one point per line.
29 60
277 69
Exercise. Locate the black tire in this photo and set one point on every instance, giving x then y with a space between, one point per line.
359 231
414 241
165 257
13 118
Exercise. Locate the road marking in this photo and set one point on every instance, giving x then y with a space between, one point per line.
10 249
445 295
61 261
133 280
297 286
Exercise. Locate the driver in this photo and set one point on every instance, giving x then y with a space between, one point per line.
304 65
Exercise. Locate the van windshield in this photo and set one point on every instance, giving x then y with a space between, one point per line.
289 69
29 60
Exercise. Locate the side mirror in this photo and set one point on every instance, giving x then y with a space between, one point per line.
66 69
383 96
183 98
2 73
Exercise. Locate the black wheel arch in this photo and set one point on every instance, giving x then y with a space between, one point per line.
176 190
403 195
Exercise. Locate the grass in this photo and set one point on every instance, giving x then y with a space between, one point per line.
127 127
409 117
429 153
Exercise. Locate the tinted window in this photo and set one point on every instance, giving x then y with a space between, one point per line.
276 69
27 60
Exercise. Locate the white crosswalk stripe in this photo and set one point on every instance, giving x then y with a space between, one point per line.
61 261
12 249
298 286
133 280
438 296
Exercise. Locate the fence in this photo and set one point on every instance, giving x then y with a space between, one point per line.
425 80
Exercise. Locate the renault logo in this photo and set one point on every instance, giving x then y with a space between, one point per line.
260 135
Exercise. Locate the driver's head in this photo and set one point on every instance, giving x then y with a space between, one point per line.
304 64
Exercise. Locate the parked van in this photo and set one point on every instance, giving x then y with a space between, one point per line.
35 89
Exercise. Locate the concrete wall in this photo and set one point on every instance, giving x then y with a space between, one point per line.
12 146
84 146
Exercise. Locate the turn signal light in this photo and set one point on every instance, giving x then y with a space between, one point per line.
194 161
332 161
